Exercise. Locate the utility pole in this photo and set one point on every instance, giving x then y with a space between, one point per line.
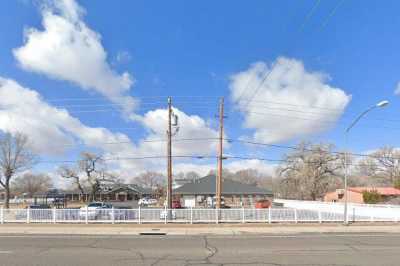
220 154
169 155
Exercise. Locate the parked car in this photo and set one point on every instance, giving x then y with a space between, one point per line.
147 202
263 204
95 210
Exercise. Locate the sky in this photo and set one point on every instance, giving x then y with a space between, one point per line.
95 76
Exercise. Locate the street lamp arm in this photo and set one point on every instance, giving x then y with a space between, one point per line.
359 117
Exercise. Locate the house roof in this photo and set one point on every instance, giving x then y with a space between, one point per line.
132 187
114 188
385 191
206 186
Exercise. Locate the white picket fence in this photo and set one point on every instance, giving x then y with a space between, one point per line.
191 215
374 212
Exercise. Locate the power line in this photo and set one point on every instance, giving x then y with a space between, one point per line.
146 141
309 15
133 158
336 111
325 22
283 160
295 105
320 120
311 150
124 97
266 76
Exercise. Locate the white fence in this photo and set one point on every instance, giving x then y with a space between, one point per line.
375 212
150 215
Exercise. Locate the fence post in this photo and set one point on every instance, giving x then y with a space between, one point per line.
166 214
243 216
54 215
319 217
216 215
191 215
28 215
295 216
269 215
86 215
354 215
112 215
140 218
2 215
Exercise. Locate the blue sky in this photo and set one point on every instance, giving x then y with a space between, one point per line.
187 49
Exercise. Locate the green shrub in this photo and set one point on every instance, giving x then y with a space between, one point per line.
371 197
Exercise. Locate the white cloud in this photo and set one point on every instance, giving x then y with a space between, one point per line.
52 131
190 127
284 105
397 90
67 49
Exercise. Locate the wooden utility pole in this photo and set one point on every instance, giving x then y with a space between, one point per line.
169 155
220 154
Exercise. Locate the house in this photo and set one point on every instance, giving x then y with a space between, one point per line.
114 192
355 194
200 193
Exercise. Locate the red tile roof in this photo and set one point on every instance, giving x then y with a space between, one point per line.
386 191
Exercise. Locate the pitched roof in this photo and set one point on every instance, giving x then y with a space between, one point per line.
131 187
206 186
386 191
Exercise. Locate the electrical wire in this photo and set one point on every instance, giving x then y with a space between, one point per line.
132 158
333 12
311 150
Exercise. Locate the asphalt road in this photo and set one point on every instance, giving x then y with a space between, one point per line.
307 249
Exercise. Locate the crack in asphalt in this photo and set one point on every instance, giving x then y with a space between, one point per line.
160 259
212 249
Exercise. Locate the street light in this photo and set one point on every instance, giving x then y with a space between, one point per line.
378 105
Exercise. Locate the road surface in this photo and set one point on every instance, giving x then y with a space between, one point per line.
305 249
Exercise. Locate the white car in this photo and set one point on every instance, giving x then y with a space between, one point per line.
147 201
95 210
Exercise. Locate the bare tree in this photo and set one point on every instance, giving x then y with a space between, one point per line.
226 173
247 176
192 175
89 171
32 183
310 171
73 174
93 167
15 156
150 179
382 166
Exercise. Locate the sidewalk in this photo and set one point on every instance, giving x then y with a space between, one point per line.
198 229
